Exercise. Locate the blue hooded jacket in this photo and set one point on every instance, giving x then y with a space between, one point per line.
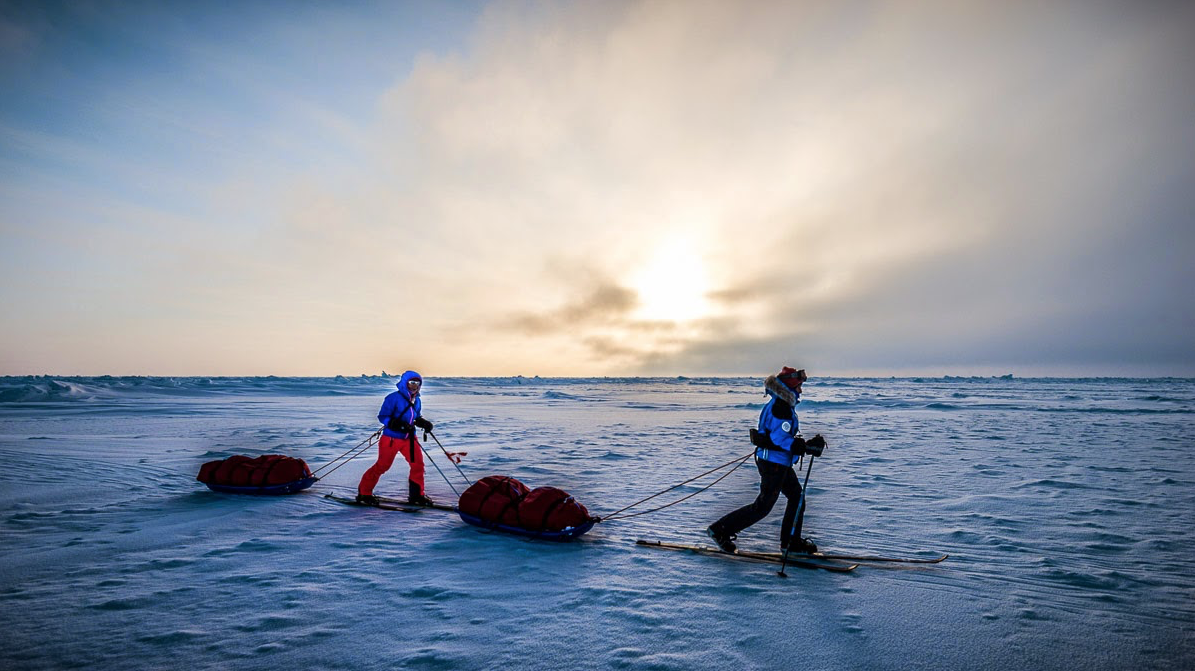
398 405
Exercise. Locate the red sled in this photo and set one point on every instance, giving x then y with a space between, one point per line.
269 474
502 503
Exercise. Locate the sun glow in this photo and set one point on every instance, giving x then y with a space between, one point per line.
673 285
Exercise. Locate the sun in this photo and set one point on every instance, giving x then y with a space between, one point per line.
672 286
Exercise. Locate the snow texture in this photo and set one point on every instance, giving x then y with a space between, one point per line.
1065 505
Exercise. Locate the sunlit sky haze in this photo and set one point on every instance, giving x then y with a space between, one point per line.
597 188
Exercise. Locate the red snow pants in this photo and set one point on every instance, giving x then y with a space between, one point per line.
388 448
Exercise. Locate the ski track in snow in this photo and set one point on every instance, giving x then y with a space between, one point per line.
1065 506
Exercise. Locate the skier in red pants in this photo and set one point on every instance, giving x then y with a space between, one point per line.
400 415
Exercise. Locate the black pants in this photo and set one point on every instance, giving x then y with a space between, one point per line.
774 480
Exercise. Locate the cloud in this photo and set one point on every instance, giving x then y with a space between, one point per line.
854 187
605 303
912 197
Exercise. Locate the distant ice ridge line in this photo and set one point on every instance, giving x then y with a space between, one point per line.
40 389
912 394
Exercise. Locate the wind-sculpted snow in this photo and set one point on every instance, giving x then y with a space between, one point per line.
1065 506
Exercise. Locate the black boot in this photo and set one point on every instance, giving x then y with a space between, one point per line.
416 496
367 499
799 545
724 540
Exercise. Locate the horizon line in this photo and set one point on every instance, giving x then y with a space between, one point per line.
1006 376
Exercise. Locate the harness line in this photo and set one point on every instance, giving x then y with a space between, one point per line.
359 448
738 461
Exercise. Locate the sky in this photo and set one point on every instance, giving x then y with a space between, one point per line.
597 188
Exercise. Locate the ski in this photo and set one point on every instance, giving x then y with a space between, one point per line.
389 504
800 561
878 558
381 505
408 504
856 558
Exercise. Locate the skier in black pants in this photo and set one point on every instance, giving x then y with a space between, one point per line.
778 443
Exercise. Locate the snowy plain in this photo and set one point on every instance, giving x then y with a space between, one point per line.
1065 504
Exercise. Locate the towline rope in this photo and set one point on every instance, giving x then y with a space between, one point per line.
738 461
359 448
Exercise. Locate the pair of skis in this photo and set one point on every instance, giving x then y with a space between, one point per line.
837 563
386 503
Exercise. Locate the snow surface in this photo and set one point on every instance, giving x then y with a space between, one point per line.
1065 505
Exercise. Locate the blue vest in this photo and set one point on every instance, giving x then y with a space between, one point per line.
781 432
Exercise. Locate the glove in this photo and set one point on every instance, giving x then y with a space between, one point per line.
815 445
423 424
397 425
799 445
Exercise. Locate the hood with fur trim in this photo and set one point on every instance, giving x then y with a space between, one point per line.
779 390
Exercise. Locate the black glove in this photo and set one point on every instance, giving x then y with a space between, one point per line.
423 424
815 445
798 445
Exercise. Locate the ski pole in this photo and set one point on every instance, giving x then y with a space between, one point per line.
450 485
796 530
447 454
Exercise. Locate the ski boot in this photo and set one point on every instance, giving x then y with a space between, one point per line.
724 540
416 496
800 545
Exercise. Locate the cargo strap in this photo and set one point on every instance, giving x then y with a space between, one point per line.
543 523
266 475
514 501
